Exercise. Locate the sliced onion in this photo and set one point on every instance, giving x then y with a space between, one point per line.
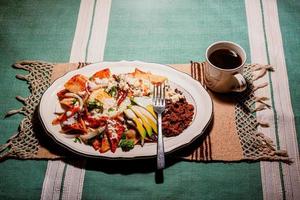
58 108
77 97
92 133
90 89
70 136
87 87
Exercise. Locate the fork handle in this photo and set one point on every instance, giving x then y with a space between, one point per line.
160 145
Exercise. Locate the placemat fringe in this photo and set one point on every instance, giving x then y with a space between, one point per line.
259 107
270 148
259 86
261 71
257 67
21 99
260 99
13 112
260 102
25 144
20 66
5 151
22 77
263 124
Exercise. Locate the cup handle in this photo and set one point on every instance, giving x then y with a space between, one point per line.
242 84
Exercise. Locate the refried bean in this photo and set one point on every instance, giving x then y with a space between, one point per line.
177 117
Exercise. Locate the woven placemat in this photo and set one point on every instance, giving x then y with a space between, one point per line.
232 135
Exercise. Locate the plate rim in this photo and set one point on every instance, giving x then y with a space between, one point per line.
101 156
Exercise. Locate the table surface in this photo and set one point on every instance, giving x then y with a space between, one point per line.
153 31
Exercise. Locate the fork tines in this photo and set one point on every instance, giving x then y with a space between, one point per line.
159 94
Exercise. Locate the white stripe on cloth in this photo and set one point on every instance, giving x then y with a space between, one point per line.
55 169
52 180
82 31
73 183
99 31
74 176
282 101
270 172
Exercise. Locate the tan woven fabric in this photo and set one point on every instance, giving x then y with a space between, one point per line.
221 141
232 135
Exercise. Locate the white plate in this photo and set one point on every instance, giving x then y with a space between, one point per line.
191 88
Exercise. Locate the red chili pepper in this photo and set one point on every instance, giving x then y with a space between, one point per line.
114 140
77 127
61 94
122 94
95 122
64 116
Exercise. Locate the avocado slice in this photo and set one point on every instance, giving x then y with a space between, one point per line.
138 122
150 119
144 120
145 102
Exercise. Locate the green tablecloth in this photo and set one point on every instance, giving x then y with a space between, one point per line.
153 31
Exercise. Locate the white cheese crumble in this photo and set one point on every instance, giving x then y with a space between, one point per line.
92 85
111 83
68 113
70 121
111 127
103 81
109 103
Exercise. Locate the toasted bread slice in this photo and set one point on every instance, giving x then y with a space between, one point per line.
155 79
76 84
105 73
99 95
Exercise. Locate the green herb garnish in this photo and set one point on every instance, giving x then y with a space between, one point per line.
74 101
113 91
95 105
77 139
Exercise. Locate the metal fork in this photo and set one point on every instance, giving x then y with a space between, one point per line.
159 104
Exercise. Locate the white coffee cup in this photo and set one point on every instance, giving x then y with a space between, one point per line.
225 80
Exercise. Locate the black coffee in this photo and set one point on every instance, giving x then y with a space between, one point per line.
225 59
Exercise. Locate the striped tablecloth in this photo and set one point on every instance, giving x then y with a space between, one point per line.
164 32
